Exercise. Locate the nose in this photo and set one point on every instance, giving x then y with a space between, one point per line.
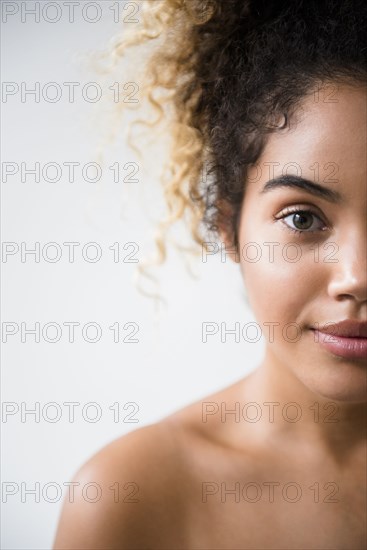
349 274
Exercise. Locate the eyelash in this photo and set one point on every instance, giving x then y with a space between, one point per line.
296 210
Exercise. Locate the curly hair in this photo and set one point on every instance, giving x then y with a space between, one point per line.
231 72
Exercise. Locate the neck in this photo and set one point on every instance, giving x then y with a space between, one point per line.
294 413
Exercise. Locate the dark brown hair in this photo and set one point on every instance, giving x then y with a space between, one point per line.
231 72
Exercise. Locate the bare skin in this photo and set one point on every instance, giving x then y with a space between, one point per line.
277 460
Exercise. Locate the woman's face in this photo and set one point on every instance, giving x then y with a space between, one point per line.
299 280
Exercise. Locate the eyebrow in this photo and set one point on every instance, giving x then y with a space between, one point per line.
293 181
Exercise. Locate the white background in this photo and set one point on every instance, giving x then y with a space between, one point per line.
170 366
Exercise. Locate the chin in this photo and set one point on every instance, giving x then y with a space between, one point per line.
347 383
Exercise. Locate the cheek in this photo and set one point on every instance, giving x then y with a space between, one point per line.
284 283
283 280
277 291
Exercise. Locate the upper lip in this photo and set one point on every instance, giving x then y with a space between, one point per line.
348 328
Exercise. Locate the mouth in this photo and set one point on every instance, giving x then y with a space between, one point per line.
347 339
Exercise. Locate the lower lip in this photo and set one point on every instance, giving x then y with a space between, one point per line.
349 348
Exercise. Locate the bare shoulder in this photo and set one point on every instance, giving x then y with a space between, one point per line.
135 491
127 492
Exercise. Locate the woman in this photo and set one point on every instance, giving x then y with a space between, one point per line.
272 96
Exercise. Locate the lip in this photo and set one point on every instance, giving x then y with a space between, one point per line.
347 338
349 328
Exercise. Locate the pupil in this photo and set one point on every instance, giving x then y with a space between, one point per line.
300 221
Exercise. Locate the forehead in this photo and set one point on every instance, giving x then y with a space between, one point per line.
328 126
